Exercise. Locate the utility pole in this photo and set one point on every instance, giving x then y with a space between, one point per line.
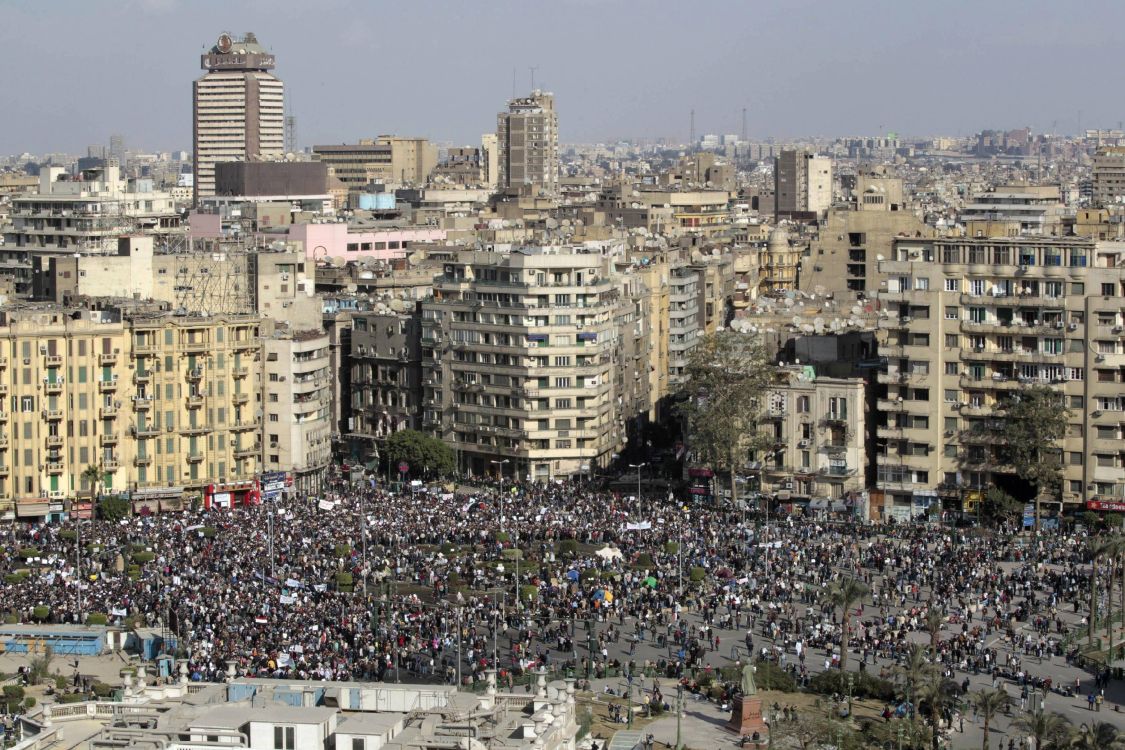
679 714
458 648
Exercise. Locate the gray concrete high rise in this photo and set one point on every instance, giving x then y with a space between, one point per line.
528 144
238 109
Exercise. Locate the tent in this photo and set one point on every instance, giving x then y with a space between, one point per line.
609 553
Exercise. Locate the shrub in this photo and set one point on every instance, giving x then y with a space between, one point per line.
68 535
343 550
97 618
113 508
834 681
698 574
568 547
102 690
143 557
448 549
589 574
208 531
133 571
644 560
71 698
671 548
502 536
13 694
60 683
344 582
14 578
512 554
27 552
11 618
29 702
770 676
529 593
41 613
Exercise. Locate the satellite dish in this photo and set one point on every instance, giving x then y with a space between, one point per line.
879 257
351 288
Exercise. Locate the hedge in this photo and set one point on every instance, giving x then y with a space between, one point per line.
502 536
644 560
68 535
71 698
143 557
13 578
568 547
698 574
448 549
133 571
207 531
769 676
344 582
343 550
671 548
26 552
529 592
41 612
97 618
102 690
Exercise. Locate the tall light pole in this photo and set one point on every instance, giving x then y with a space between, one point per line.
501 470
638 467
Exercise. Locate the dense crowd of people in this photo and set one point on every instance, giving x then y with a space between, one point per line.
363 583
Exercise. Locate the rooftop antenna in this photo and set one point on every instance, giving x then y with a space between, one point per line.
691 135
744 123
513 81
533 69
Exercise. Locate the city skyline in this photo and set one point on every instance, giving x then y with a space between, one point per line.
441 70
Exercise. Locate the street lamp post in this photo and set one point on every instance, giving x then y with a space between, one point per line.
501 470
638 467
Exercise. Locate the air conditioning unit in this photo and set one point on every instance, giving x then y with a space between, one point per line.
1100 358
803 443
1096 413
1073 327
787 485
949 433
956 407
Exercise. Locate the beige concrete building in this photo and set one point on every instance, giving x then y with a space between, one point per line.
518 357
527 137
386 160
1109 176
165 405
296 406
780 264
968 323
238 109
1013 211
819 435
845 256
802 184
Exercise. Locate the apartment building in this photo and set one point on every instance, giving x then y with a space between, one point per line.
802 184
1013 210
817 425
971 321
527 138
683 318
296 406
518 359
164 405
1109 176
386 376
387 160
845 256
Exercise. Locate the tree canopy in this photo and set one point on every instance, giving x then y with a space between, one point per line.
425 454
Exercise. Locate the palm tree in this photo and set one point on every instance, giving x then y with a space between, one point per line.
93 476
941 693
912 671
1049 729
843 594
1098 546
1100 735
934 619
989 703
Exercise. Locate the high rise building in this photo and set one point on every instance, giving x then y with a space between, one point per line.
802 183
388 159
239 109
528 144
1109 176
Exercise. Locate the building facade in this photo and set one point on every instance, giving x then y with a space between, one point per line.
969 322
528 144
517 355
296 406
802 183
238 109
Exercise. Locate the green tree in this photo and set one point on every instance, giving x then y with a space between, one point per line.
1034 423
1098 547
940 694
912 671
424 453
997 505
844 594
1099 735
1049 729
723 396
989 703
93 475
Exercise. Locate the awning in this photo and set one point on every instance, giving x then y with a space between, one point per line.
149 493
536 337
818 504
587 337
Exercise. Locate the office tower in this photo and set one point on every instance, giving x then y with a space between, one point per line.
528 140
1109 176
117 147
387 160
239 109
802 183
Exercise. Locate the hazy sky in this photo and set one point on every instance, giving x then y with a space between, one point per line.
75 71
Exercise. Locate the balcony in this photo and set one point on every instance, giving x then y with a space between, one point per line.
111 464
142 403
247 451
144 347
240 372
194 401
109 438
242 426
5 471
106 359
195 346
52 387
107 386
142 461
52 360
240 398
53 415
4 416
54 441
146 430
3 441
195 429
3 361
195 373
142 376
54 468
3 390
195 458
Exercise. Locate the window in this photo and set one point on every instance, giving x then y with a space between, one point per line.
951 313
802 404
562 382
1078 288
950 368
922 285
273 418
357 743
1107 290
952 285
562 361
1075 458
284 738
562 403
952 396
1076 486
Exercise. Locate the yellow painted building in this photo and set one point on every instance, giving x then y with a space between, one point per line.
165 405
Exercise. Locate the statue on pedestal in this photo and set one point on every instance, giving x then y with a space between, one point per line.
748 686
